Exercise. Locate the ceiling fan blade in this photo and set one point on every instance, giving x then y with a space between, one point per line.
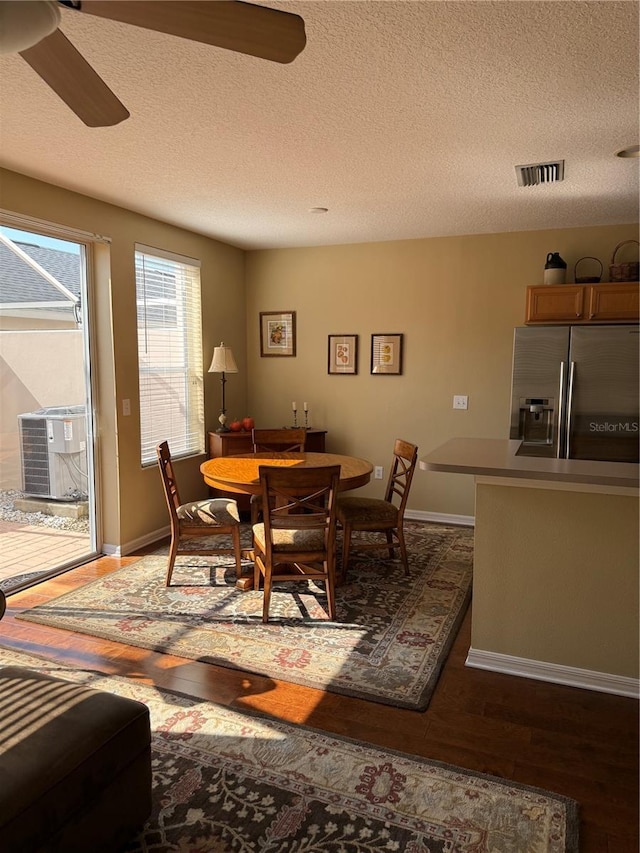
231 24
71 77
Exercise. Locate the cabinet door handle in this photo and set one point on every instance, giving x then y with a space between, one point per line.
592 315
578 314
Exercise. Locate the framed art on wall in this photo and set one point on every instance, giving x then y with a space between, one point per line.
277 333
343 354
386 354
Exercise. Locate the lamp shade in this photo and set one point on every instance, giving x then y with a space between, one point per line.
223 360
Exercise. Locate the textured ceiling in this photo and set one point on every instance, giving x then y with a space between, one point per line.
405 119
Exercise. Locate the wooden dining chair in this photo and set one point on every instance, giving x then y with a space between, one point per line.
375 515
281 441
206 518
297 538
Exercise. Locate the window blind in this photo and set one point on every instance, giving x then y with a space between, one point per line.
169 353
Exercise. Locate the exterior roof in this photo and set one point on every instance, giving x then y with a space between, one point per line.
20 284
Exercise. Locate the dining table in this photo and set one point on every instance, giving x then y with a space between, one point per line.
240 474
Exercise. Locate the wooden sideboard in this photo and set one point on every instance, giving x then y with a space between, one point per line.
230 443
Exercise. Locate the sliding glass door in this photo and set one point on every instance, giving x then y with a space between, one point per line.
48 511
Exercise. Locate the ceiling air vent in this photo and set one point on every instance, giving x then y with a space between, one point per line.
540 173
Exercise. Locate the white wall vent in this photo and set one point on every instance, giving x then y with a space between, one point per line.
540 173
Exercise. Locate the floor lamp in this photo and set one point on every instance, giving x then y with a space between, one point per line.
223 362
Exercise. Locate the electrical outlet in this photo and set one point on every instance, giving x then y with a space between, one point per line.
460 402
126 407
377 472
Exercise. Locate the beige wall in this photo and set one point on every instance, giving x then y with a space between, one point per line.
133 505
456 299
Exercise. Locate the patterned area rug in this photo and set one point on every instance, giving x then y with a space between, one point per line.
388 644
225 781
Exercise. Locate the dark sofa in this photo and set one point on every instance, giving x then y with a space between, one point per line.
75 765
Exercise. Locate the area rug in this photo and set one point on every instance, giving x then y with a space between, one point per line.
226 781
388 644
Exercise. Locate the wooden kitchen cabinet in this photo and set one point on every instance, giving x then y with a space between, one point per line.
614 302
607 302
230 443
555 303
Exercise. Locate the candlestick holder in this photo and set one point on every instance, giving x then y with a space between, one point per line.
306 419
295 419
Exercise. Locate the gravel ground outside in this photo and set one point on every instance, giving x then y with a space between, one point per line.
8 512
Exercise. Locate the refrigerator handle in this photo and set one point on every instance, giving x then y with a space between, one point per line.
560 421
572 373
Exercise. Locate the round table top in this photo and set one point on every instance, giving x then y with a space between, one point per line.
240 473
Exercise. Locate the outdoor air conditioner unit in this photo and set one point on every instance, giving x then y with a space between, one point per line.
53 450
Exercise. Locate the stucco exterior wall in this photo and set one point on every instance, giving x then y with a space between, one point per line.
37 369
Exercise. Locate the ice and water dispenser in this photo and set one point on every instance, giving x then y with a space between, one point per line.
535 421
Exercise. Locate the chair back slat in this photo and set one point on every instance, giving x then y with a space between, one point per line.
196 519
169 483
303 513
359 516
297 539
300 499
282 440
405 457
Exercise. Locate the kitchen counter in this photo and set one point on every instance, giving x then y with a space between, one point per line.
556 563
492 457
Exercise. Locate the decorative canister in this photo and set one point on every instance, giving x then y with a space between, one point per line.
555 270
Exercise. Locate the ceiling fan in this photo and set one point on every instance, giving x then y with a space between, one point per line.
31 29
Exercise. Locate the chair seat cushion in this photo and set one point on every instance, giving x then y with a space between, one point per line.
214 512
290 540
370 511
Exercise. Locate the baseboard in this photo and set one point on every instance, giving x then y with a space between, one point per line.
135 544
569 675
150 538
440 518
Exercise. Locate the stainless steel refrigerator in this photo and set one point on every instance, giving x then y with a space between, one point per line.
575 392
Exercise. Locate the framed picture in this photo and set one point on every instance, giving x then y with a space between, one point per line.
386 354
277 333
343 354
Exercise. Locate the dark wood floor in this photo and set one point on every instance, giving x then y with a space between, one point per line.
578 743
